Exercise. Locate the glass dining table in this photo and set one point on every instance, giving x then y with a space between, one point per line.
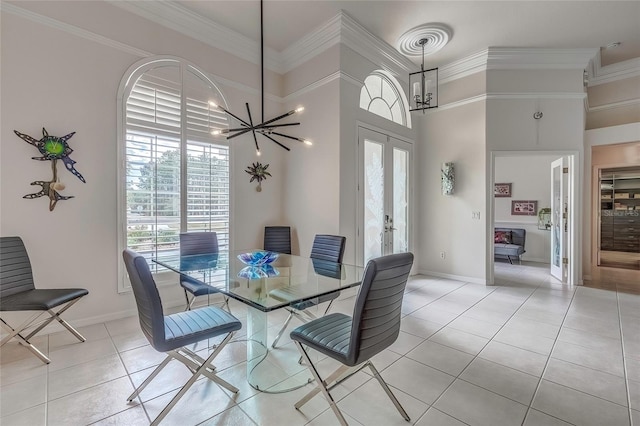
267 288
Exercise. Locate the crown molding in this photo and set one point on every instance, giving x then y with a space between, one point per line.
72 29
178 18
464 67
613 105
614 72
508 58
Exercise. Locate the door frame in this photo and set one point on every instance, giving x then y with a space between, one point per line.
359 219
575 184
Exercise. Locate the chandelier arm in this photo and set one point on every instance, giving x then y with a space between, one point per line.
239 133
287 136
253 129
234 116
267 136
264 126
280 117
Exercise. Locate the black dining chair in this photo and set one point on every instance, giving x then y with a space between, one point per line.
199 243
354 340
18 293
326 254
278 239
172 334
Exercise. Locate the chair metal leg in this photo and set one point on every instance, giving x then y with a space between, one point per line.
282 330
321 385
15 334
56 316
148 380
390 394
186 296
193 379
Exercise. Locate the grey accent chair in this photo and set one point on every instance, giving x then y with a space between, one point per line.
326 254
18 293
172 333
354 340
192 244
278 239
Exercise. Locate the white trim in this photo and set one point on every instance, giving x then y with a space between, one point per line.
461 278
71 29
508 58
464 67
510 223
614 105
312 44
184 21
614 72
613 134
534 95
321 82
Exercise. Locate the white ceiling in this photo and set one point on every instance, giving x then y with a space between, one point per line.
476 24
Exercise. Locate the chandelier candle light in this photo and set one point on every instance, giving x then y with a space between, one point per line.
265 128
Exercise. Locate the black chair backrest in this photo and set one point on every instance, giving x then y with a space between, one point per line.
15 268
192 243
278 239
147 297
377 311
327 269
328 247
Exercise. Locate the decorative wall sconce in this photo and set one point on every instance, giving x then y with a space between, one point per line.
448 178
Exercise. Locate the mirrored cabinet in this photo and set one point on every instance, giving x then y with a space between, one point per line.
619 213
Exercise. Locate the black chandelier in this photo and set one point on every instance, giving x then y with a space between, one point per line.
424 85
268 128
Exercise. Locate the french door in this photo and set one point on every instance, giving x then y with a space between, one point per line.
559 216
384 195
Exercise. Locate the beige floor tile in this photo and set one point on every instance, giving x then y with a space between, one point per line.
419 327
587 380
475 326
81 352
22 395
418 380
91 405
82 376
64 338
405 342
537 418
460 340
370 405
141 358
510 356
234 416
520 339
505 381
172 377
33 416
21 369
133 416
443 358
634 394
597 359
578 408
480 407
435 417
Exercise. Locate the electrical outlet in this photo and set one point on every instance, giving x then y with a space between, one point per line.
443 255
475 215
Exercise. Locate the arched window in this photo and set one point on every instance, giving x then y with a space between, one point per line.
382 95
173 173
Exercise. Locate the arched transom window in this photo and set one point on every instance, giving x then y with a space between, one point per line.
381 95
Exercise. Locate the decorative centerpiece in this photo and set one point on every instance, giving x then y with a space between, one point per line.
257 272
258 258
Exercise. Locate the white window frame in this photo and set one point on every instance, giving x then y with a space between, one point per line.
126 84
400 98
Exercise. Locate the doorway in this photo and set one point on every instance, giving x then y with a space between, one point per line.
559 195
384 201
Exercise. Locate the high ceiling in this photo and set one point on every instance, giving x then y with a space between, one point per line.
476 25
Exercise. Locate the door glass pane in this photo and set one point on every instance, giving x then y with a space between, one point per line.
557 215
400 201
373 200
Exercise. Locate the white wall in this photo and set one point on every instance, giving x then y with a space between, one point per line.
530 177
66 79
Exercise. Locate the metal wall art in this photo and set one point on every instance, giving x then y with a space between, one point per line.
52 148
258 172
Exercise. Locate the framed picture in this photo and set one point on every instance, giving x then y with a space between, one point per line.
524 208
502 190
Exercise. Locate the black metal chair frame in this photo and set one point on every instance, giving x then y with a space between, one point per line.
188 327
377 314
19 294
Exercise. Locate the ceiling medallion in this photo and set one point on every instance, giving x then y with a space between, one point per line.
438 35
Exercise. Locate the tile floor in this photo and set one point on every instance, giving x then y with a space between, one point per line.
525 352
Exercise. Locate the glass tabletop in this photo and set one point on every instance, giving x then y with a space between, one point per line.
285 281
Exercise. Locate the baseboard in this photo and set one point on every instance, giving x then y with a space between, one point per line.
472 280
